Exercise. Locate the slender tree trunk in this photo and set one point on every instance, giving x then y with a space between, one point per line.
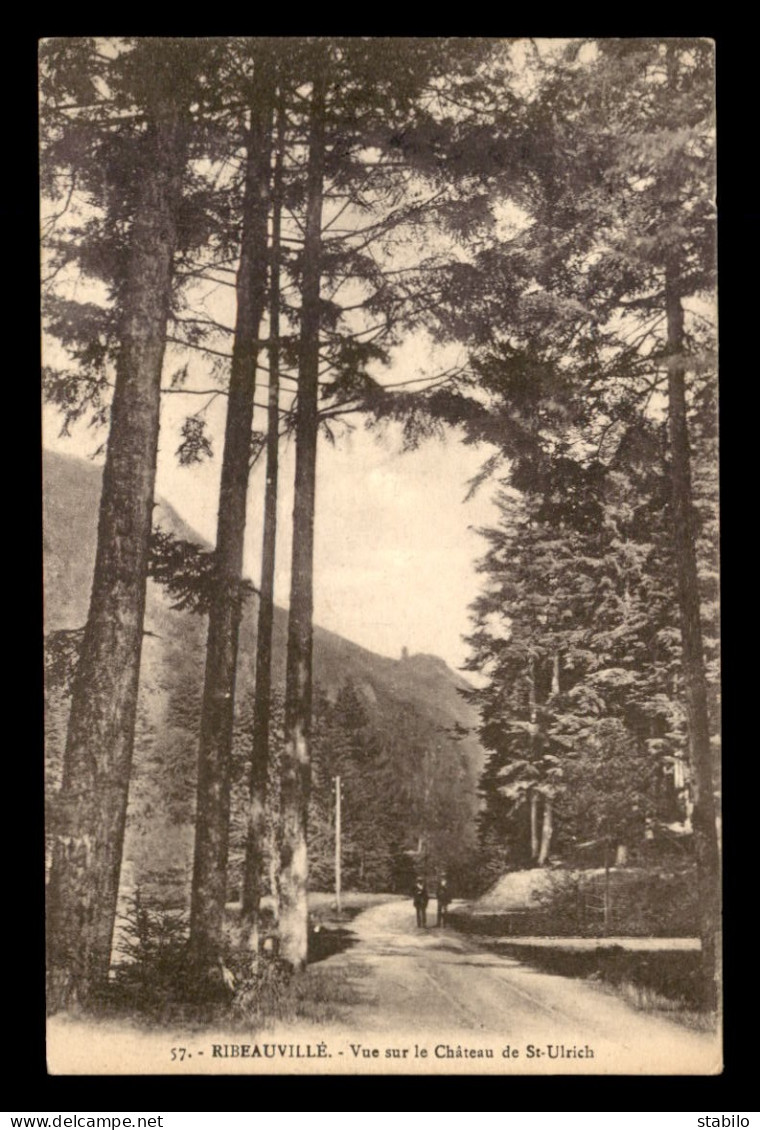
257 814
555 674
695 686
274 872
547 829
89 841
298 693
217 715
547 821
534 842
607 891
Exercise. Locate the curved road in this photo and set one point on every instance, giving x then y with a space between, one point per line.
424 1001
438 988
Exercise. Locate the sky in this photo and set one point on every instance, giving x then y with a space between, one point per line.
395 542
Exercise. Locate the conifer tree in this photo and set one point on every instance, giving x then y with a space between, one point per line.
259 773
610 273
295 769
367 95
212 811
92 806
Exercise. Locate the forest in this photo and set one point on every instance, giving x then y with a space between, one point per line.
261 227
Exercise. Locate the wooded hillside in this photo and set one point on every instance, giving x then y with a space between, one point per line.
409 709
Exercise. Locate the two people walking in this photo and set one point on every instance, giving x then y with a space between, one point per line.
421 899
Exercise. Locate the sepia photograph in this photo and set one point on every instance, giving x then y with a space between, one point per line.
380 556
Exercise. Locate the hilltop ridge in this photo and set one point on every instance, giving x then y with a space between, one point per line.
417 694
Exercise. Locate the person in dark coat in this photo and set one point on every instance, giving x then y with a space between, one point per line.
421 901
443 897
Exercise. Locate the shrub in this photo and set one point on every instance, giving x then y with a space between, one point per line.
641 904
155 973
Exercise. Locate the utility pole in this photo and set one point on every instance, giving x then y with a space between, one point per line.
337 845
607 904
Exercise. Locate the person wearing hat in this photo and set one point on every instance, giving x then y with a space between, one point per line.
420 901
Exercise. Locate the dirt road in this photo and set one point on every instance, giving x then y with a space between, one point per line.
419 1001
438 988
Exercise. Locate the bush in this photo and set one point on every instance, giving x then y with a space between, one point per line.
154 978
656 981
641 904
654 904
262 994
157 983
157 979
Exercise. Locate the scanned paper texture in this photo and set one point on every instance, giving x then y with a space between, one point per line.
381 555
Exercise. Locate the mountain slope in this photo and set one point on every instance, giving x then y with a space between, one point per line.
417 695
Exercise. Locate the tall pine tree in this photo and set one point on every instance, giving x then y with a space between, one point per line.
155 80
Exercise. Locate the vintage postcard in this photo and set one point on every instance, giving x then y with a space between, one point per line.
381 556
